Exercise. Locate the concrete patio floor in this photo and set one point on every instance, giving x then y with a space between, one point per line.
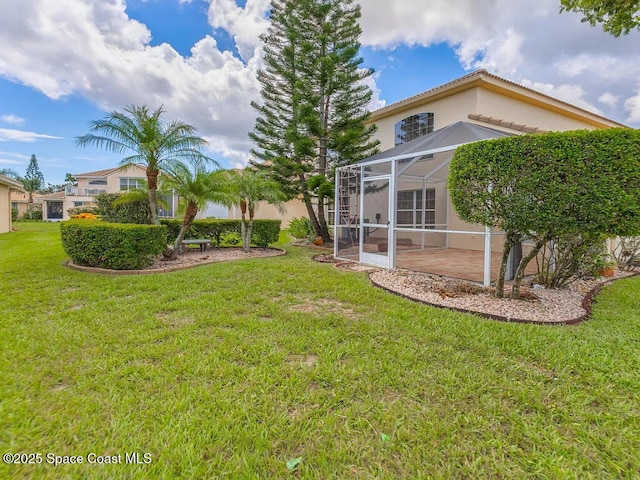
449 262
453 262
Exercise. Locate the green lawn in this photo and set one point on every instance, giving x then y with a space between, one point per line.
231 370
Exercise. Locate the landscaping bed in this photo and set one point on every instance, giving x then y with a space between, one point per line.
537 305
190 259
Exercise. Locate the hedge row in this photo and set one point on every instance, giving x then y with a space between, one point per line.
116 246
130 212
265 232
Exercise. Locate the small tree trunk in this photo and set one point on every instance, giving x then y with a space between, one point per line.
311 212
510 240
152 182
515 289
247 244
246 241
189 215
323 229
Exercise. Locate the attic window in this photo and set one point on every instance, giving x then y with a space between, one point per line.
414 126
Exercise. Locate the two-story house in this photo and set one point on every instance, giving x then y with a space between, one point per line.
112 180
479 98
394 207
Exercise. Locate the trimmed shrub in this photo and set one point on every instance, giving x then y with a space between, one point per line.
116 246
301 227
34 213
14 214
570 257
265 232
230 239
84 209
131 212
548 187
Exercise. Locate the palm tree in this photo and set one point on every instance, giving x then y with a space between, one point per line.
150 142
247 188
196 186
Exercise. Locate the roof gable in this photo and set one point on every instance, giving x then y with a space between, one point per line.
484 79
108 171
10 182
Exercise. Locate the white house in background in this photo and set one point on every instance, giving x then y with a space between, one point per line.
112 180
7 185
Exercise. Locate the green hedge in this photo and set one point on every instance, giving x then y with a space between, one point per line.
265 232
117 246
130 212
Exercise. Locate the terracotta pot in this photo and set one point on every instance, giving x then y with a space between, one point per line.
606 272
383 247
318 241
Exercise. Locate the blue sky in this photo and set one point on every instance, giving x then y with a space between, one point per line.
71 62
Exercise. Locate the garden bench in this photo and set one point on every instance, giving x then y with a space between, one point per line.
203 243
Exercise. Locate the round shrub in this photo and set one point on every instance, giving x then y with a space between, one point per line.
301 227
117 246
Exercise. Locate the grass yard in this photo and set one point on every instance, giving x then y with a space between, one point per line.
232 370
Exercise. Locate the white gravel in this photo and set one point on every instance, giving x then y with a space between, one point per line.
545 305
195 257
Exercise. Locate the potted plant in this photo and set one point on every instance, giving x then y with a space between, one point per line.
605 266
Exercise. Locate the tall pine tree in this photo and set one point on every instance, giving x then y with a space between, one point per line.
313 114
33 179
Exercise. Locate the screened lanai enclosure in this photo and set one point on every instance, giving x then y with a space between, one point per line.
393 211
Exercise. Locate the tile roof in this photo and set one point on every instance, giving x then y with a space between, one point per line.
51 196
97 173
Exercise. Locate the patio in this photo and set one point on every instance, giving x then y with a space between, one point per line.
400 197
453 262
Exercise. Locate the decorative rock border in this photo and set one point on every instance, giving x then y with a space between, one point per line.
82 268
587 305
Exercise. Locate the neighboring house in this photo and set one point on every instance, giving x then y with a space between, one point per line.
394 210
20 201
7 185
112 180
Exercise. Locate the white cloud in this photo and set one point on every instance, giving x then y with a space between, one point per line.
12 119
245 25
609 99
9 135
6 161
572 93
93 49
632 105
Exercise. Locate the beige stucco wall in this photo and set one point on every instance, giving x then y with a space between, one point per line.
264 211
112 186
489 103
133 171
5 209
446 111
494 104
22 199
